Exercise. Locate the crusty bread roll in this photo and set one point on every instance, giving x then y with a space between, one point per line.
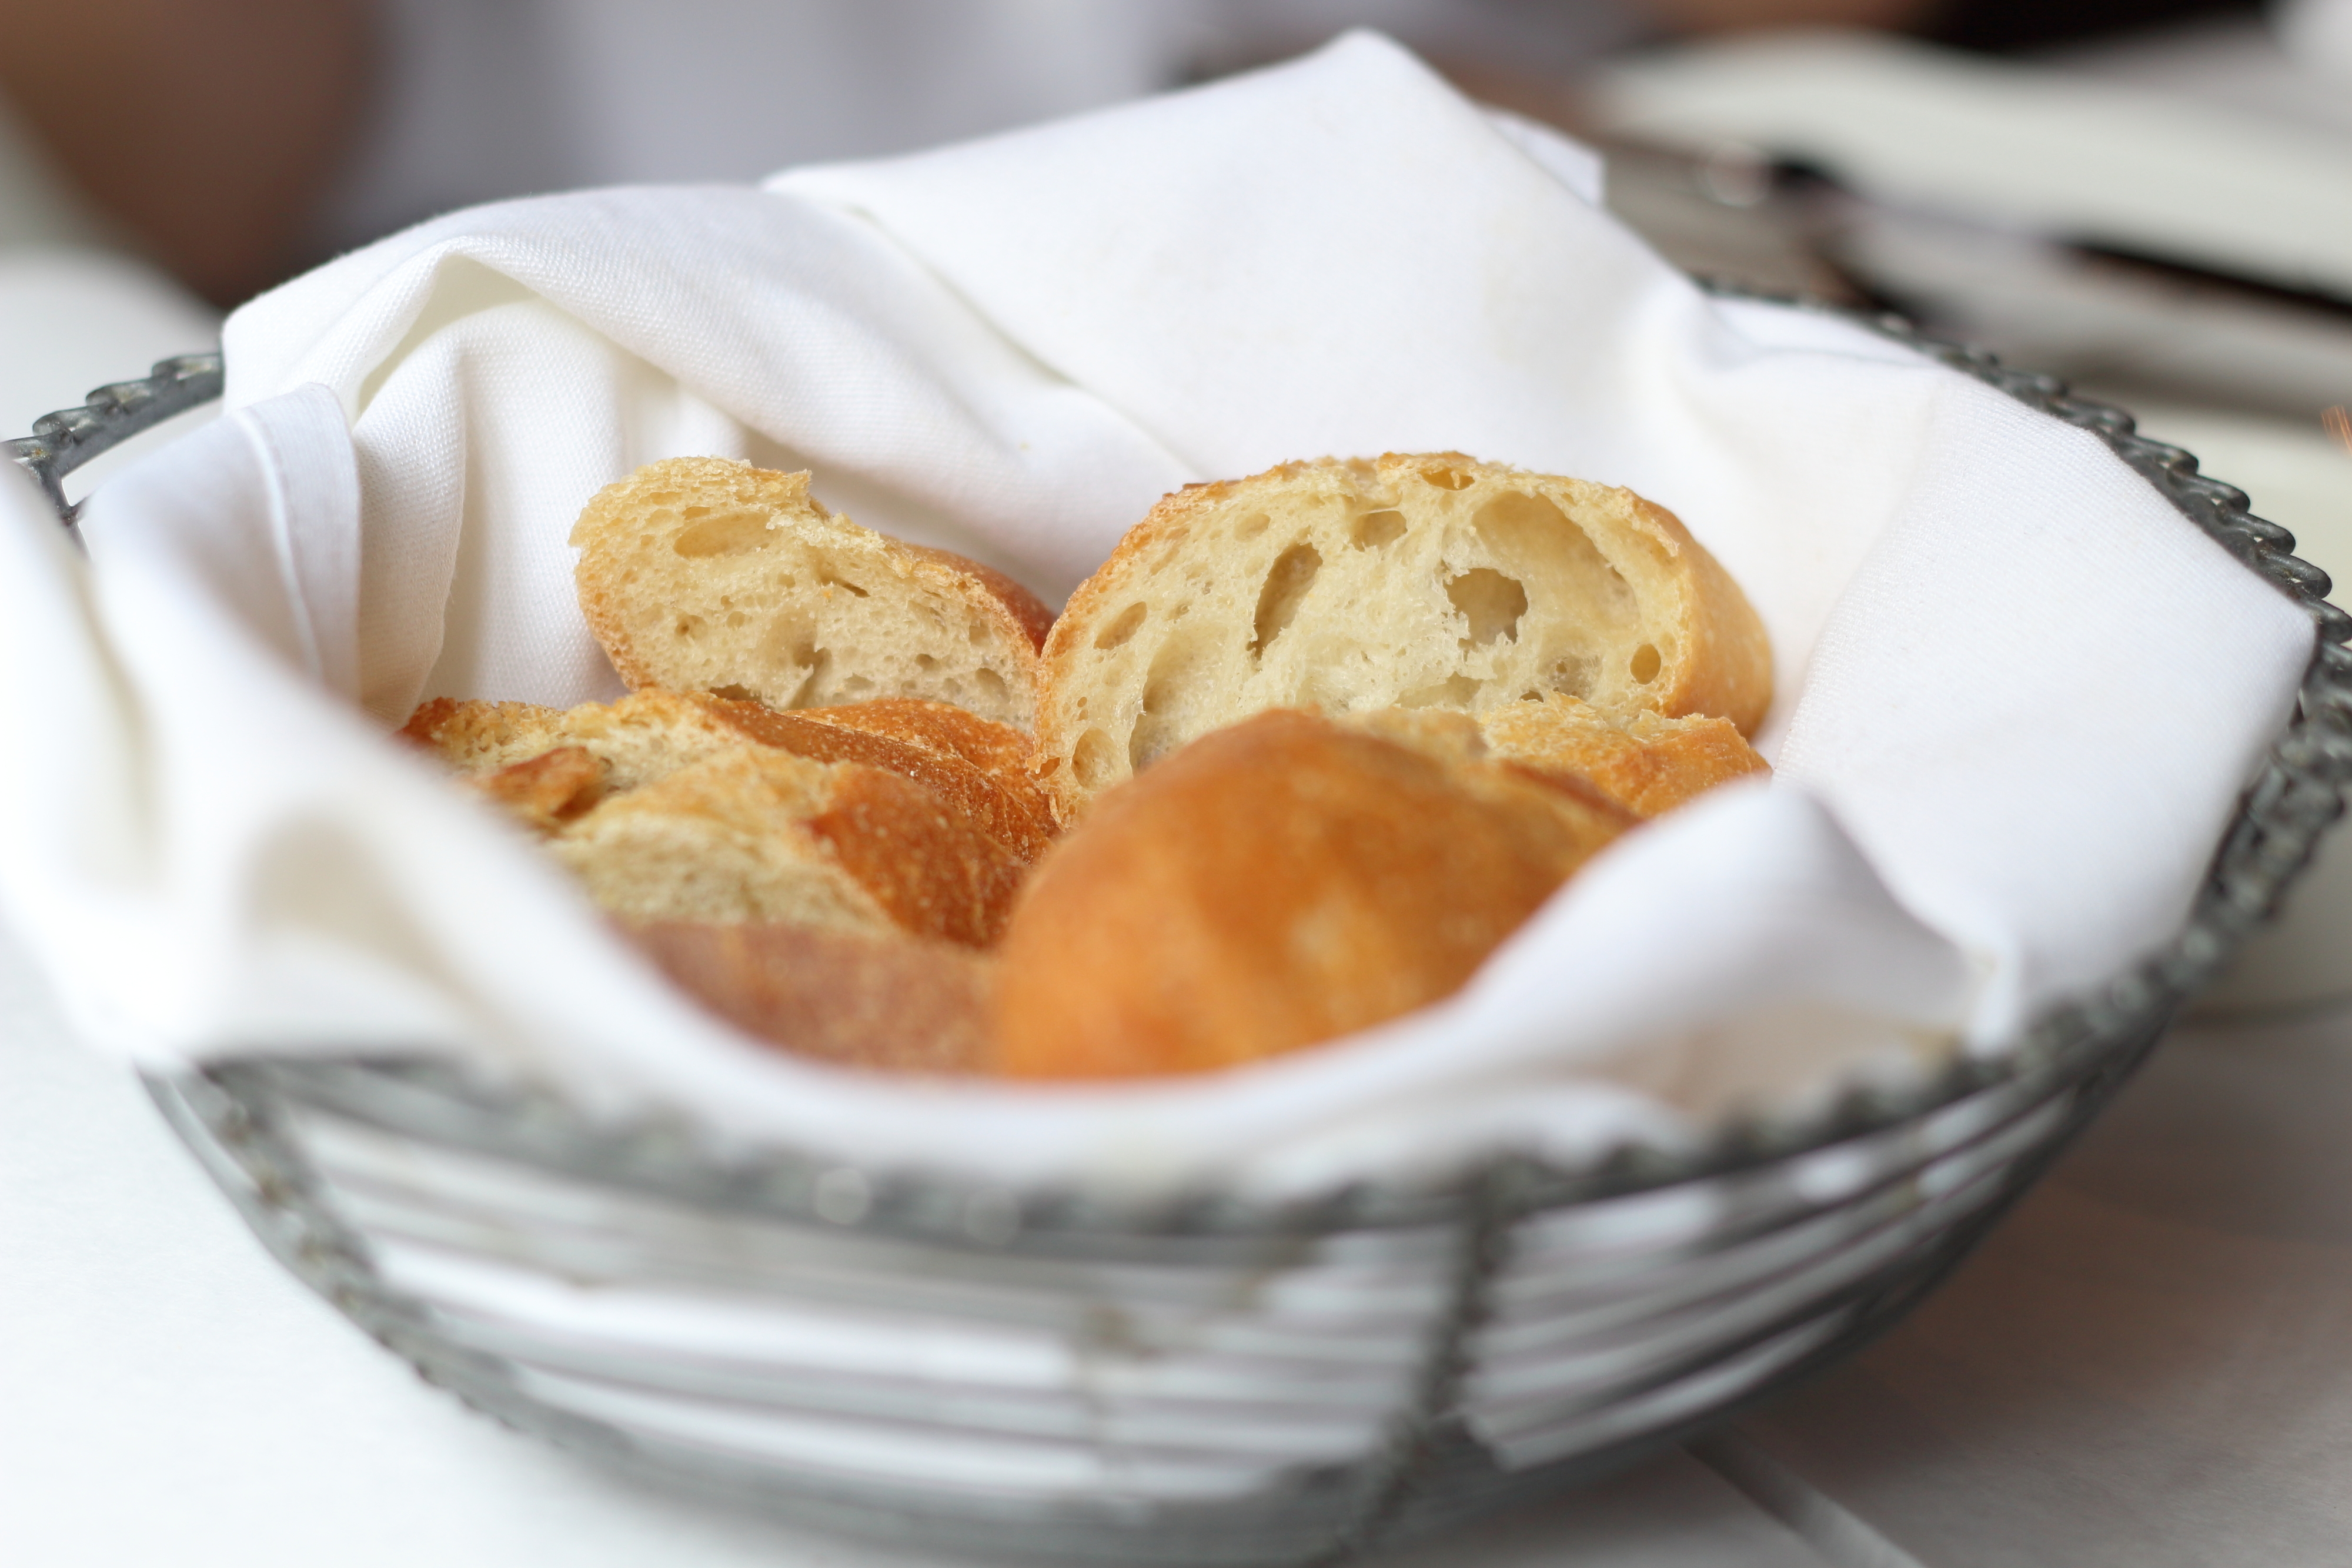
1414 582
1275 883
702 574
1646 762
889 1002
652 734
756 834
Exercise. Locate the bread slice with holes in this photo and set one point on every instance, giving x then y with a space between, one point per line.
1416 582
1275 883
1646 762
701 574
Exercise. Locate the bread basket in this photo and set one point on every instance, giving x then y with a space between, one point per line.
1204 1379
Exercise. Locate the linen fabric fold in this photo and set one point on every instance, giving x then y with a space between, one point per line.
2019 694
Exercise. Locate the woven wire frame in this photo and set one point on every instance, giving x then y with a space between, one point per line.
63 442
240 1116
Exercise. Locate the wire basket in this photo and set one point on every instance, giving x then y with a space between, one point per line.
1202 1379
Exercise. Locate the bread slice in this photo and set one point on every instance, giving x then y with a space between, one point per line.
480 738
756 834
548 790
1646 762
653 734
1275 883
1003 801
998 749
1414 582
700 574
856 999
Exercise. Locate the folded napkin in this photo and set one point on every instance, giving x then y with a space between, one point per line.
2018 693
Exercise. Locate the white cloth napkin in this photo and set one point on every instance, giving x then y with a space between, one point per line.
2018 693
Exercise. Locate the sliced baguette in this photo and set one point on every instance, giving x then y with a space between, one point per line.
999 748
1417 581
759 835
474 737
1277 883
652 734
1646 762
700 574
548 790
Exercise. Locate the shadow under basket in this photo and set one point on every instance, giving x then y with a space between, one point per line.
1205 1379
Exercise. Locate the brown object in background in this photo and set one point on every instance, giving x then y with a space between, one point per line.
1272 884
885 1002
209 129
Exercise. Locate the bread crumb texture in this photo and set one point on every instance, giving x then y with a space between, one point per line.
703 574
1424 582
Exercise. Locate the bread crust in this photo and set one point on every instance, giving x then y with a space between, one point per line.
548 790
996 749
885 1003
756 834
853 830
1006 803
1272 884
651 734
708 574
1647 763
929 868
1517 584
473 736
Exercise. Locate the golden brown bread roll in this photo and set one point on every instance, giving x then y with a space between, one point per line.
854 999
1417 581
705 574
1272 884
